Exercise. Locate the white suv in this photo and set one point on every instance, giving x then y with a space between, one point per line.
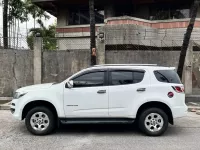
150 95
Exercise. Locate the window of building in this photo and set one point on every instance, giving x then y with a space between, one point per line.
82 16
164 12
123 10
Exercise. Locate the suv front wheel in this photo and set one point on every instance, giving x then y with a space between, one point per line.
153 121
40 121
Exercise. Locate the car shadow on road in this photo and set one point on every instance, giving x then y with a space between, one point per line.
103 129
98 128
106 129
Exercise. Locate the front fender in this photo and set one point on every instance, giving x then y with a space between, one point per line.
54 98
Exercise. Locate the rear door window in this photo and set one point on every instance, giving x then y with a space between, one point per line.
123 77
167 76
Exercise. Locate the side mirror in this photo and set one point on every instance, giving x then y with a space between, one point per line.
70 84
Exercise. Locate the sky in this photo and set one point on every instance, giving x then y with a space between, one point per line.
48 22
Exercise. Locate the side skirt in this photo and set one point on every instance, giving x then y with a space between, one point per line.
96 120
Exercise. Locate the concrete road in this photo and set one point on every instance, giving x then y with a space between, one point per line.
185 135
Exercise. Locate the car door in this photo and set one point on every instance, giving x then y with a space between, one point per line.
89 95
123 91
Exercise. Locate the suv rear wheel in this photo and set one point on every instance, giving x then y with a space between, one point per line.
153 121
40 121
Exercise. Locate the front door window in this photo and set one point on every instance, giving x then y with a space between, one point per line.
93 79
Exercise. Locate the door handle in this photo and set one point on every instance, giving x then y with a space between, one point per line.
141 90
101 92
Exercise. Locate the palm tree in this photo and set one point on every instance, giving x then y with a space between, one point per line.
5 24
49 41
92 32
187 37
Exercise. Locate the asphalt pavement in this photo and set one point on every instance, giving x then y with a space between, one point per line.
184 135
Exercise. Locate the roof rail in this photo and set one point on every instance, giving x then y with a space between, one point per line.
125 65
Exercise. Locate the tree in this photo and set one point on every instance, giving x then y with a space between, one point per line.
16 14
19 10
36 12
92 32
187 37
48 34
5 24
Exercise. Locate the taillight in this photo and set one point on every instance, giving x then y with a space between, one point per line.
178 89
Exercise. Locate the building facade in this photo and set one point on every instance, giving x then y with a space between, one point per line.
154 19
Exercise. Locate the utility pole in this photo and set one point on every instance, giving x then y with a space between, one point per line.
5 24
92 33
187 37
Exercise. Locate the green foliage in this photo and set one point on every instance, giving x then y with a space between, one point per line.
21 9
16 11
34 10
48 34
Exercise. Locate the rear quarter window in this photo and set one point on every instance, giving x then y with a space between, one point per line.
167 76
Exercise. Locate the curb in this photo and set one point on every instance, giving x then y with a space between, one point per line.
193 108
5 106
5 98
192 98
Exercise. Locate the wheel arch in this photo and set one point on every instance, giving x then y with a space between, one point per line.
36 103
156 104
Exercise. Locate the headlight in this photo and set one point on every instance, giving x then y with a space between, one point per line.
17 95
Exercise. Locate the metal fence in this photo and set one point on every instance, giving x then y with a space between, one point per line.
21 43
115 39
140 38
123 43
24 43
167 45
145 33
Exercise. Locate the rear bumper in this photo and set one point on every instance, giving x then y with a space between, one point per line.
179 111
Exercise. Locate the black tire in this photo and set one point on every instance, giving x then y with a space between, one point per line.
145 113
50 127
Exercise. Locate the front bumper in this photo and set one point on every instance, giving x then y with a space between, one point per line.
14 108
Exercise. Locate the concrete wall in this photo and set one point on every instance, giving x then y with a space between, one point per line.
77 43
17 66
129 34
16 70
164 58
177 34
59 65
196 70
140 35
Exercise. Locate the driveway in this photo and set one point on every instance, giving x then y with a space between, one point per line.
185 135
